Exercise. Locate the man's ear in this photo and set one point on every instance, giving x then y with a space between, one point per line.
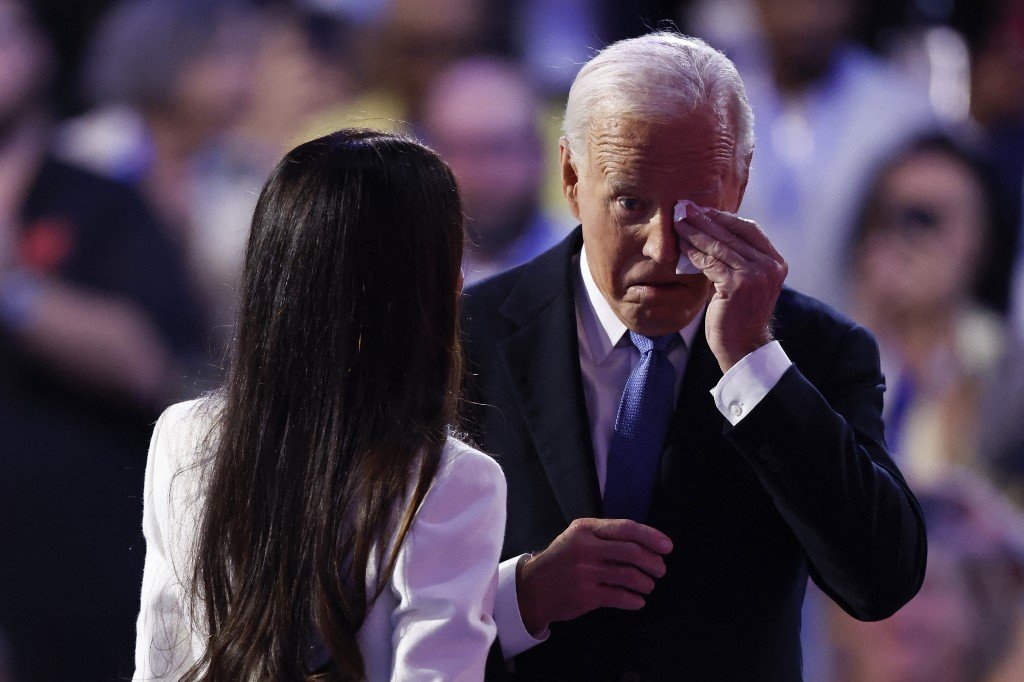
570 177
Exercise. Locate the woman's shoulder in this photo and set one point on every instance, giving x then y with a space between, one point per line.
458 454
466 478
181 435
183 417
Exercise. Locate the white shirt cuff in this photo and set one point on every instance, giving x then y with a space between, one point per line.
749 380
512 634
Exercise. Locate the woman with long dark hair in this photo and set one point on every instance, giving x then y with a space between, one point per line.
314 519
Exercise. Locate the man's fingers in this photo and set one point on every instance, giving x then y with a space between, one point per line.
620 575
748 230
715 240
632 554
630 531
619 598
714 269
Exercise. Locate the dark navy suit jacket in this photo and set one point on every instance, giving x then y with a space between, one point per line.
802 486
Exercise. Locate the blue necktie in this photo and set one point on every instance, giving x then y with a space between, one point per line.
634 454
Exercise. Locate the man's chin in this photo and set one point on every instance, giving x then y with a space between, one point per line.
658 320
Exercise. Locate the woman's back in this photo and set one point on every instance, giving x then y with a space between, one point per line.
432 622
314 520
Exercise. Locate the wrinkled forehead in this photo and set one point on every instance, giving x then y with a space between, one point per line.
630 149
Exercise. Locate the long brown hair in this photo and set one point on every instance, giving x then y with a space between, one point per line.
339 394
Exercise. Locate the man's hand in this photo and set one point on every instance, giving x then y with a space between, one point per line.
747 273
593 563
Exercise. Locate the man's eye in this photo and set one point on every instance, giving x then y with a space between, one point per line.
629 203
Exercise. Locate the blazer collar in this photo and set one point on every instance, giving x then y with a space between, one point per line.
541 357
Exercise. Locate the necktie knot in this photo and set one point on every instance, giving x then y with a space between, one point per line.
645 344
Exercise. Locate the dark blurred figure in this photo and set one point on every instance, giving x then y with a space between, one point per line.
482 117
169 78
994 30
826 111
965 624
95 319
956 382
5 656
70 25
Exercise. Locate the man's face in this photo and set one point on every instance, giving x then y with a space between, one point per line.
635 172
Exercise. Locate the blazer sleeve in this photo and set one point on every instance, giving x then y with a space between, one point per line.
821 455
447 571
163 637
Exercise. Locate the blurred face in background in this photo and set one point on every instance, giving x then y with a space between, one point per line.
481 117
295 79
416 40
214 86
923 239
25 64
803 35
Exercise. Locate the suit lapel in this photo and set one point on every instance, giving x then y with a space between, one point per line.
541 358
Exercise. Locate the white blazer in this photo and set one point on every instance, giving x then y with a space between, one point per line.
434 619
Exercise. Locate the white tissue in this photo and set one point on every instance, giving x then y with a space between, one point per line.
684 267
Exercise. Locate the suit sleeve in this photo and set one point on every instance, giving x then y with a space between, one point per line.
821 455
447 573
163 636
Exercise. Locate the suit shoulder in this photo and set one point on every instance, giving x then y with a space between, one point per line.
528 285
797 311
810 329
488 295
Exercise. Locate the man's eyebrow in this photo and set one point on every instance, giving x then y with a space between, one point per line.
621 187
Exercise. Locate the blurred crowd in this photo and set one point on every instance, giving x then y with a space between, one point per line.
135 134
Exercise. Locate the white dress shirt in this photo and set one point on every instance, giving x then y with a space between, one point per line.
433 621
607 358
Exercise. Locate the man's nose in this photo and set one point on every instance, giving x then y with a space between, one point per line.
661 241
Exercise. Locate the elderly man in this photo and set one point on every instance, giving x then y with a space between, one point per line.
681 450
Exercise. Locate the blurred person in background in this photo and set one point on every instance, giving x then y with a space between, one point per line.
965 625
96 320
956 383
994 31
482 116
301 73
825 110
401 48
169 78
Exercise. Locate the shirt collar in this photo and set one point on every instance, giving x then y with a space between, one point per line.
603 328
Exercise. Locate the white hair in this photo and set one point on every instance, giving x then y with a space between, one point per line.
661 76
